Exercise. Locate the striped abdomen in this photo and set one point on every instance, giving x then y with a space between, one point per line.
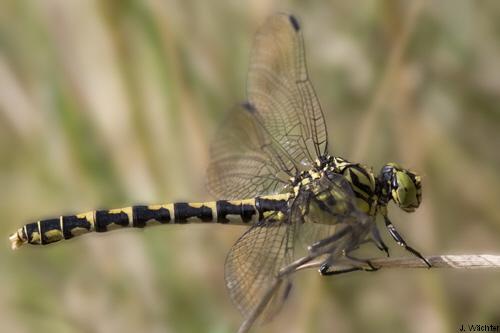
240 212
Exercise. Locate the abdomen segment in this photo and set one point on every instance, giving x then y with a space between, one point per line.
240 212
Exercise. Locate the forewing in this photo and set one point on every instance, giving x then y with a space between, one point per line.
280 90
253 262
262 143
244 160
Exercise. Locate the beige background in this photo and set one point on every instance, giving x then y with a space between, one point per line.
105 104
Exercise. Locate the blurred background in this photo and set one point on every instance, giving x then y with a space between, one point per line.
106 104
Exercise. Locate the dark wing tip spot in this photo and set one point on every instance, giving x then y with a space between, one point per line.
295 23
249 107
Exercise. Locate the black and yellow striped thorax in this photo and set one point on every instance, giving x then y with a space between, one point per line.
359 177
362 181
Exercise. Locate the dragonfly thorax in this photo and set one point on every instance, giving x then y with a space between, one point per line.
359 178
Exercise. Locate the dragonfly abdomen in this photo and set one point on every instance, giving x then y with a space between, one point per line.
238 212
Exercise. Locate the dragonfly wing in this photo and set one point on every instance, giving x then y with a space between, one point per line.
280 90
253 263
245 162
264 142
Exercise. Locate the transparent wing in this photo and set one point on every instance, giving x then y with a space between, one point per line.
279 88
253 262
245 161
263 142
323 211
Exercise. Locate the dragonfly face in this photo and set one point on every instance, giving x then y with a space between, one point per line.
402 186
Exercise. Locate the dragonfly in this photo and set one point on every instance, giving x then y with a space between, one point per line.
270 169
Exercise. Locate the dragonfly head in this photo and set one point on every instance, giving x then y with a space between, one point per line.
402 186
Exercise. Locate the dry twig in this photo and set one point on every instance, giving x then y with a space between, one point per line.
444 261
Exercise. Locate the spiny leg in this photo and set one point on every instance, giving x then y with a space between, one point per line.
331 261
330 239
325 267
365 261
377 240
399 239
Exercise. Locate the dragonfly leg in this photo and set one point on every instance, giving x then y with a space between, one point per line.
365 261
330 239
397 237
328 267
326 270
333 264
377 240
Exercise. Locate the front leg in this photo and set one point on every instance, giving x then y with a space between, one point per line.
399 239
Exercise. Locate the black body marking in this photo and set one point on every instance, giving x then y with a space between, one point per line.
71 222
49 225
143 214
183 211
225 208
30 229
268 205
356 182
103 218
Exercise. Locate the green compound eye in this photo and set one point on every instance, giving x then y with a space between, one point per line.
406 191
402 186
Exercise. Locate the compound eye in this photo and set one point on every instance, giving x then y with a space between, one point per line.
406 191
